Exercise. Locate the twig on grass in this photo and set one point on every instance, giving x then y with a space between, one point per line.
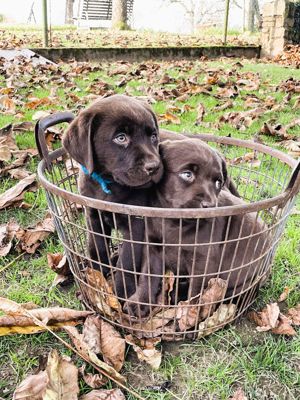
12 262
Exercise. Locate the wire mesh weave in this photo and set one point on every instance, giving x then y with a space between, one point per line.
177 313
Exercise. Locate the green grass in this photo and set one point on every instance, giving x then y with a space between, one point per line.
264 365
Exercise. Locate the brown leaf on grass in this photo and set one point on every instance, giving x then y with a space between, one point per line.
200 114
45 315
227 92
284 294
283 326
277 130
7 104
188 315
5 153
145 350
39 115
101 337
267 318
292 146
88 354
170 118
294 315
23 126
101 294
224 106
32 388
104 394
18 173
95 381
59 264
7 234
18 162
36 102
30 239
242 119
16 193
250 158
239 395
62 378
8 326
270 319
222 316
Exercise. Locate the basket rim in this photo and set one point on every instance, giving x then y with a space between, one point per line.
187 213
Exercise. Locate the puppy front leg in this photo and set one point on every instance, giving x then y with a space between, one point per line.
130 259
148 287
98 246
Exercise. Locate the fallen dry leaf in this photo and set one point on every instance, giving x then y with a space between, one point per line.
267 318
222 316
104 394
32 388
145 350
239 395
101 337
59 264
283 326
170 118
294 315
200 114
30 239
250 158
8 326
16 193
284 294
189 315
270 319
7 234
88 354
292 146
18 173
62 378
5 153
45 315
277 130
101 294
95 381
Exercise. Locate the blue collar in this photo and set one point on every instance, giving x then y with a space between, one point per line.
98 178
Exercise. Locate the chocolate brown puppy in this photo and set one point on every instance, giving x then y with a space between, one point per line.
194 176
116 142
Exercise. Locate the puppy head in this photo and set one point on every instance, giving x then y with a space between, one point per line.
117 136
194 174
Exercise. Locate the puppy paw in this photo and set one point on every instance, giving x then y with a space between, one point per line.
133 307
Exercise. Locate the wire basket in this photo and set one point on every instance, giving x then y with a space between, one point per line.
268 180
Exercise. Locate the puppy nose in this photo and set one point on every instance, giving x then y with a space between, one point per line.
151 167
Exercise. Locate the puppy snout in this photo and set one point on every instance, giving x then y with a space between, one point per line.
151 167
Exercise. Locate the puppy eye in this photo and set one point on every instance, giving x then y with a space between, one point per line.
187 176
121 139
218 184
154 137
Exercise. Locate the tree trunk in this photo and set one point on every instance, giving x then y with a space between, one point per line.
119 14
69 12
250 19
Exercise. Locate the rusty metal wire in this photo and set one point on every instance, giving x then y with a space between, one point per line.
183 307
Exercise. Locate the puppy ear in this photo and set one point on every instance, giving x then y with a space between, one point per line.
78 139
148 108
224 170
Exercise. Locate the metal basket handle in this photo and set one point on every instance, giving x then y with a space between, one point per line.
293 186
40 132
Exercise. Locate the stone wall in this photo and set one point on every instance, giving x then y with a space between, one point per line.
280 26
